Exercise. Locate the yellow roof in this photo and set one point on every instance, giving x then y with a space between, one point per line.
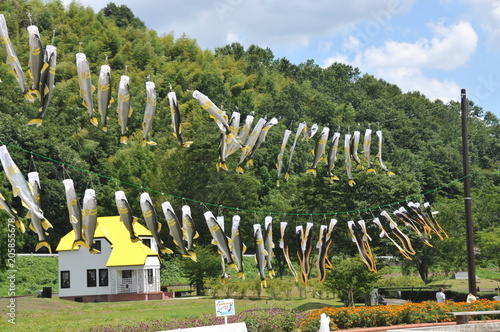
123 251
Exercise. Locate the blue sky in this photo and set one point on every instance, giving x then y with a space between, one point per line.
436 47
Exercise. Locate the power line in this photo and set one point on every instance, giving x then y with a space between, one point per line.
229 207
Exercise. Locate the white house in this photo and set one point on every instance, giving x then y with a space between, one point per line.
122 271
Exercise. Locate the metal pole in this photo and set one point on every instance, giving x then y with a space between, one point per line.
467 198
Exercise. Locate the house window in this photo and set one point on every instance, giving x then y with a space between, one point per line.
103 277
65 279
126 274
149 273
91 278
97 245
147 242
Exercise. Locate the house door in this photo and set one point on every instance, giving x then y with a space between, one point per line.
127 282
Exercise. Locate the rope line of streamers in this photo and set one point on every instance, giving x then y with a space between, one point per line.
229 207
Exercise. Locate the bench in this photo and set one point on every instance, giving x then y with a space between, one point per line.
463 316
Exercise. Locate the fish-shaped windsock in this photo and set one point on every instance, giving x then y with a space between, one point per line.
250 143
332 157
279 164
176 230
354 149
299 235
319 150
46 82
126 215
152 221
269 244
149 113
224 275
175 113
38 225
348 160
215 113
234 125
12 60
260 254
104 98
189 233
328 242
124 109
4 205
261 139
20 187
35 61
89 215
305 249
423 220
379 154
403 238
359 244
284 246
431 214
219 239
245 131
300 129
310 134
223 146
75 213
366 244
86 87
384 233
237 246
367 143
408 221
321 246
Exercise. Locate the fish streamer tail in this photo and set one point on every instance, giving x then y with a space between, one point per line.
192 255
41 244
19 224
36 121
166 251
93 251
93 120
77 243
240 275
222 165
311 170
240 170
123 139
187 144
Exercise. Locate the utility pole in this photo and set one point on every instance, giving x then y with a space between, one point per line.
471 271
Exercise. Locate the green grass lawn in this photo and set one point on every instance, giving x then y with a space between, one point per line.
37 314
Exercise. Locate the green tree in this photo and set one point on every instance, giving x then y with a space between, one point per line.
207 265
350 279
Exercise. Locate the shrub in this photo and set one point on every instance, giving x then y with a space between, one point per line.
256 320
409 313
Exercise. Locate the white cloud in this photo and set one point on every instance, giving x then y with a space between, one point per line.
450 48
404 63
287 24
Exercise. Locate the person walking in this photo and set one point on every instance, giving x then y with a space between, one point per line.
440 296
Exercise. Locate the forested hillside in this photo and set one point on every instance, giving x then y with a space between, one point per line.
421 138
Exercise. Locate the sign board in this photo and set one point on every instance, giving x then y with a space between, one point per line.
224 307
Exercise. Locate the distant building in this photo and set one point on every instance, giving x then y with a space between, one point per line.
122 271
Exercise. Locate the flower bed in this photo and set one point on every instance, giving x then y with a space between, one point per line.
257 320
409 313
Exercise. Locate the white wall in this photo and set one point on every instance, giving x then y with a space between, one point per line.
78 262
